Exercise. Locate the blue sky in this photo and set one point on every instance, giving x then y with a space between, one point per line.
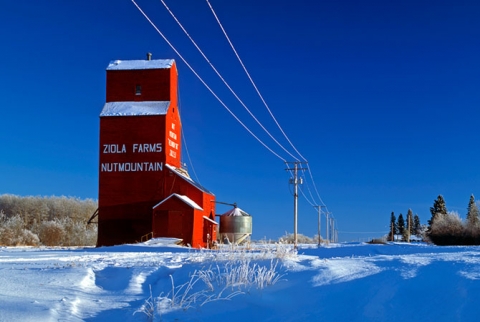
381 98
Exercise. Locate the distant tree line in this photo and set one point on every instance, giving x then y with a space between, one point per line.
404 228
447 228
49 221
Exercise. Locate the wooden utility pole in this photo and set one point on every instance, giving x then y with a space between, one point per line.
327 225
295 181
408 228
333 230
319 208
391 231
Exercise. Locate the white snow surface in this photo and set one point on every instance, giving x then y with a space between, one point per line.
135 108
340 282
140 64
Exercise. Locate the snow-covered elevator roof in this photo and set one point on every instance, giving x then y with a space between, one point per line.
135 108
140 64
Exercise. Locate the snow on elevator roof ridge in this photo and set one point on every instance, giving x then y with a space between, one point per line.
140 64
185 199
135 108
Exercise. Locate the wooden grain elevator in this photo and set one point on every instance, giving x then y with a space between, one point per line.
143 190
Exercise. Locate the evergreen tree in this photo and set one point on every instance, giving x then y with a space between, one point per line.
417 227
473 213
401 224
439 207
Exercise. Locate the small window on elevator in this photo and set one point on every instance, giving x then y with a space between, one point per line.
138 90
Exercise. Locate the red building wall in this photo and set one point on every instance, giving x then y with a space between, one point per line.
174 218
172 135
129 180
155 85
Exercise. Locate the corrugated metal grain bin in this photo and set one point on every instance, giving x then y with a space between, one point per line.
235 226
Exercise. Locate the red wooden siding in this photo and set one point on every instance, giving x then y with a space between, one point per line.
174 218
155 84
173 134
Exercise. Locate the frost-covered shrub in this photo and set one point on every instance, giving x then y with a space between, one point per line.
13 232
77 233
30 238
65 216
52 233
447 229
472 234
447 224
301 239
9 237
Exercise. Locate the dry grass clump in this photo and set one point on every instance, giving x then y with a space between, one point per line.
221 282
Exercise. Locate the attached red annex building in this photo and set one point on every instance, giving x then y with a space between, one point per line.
143 190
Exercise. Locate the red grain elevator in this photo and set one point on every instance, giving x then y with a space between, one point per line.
143 190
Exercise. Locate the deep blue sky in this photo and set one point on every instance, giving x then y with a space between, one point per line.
381 98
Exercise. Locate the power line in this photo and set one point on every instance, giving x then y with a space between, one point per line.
184 138
188 155
312 203
251 80
262 99
226 84
203 82
308 187
223 80
314 185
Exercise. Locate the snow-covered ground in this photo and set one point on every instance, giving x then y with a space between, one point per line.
340 282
